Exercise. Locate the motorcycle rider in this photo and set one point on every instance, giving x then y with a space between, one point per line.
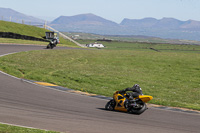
54 41
136 91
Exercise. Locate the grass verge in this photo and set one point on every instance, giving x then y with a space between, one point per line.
14 129
171 78
64 42
20 41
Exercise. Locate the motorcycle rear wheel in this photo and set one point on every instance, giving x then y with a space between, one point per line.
140 110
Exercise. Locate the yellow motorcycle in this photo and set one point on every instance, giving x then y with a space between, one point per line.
122 102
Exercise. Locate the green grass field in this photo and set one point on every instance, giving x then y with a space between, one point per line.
171 77
120 45
14 129
20 41
127 38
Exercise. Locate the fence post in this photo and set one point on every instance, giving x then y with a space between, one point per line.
45 25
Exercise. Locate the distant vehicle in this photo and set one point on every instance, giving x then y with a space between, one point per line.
53 38
95 45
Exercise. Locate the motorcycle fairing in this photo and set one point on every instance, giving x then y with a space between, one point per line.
120 100
145 98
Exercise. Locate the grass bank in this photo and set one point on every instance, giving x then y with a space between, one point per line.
64 43
20 41
14 129
172 78
29 31
22 29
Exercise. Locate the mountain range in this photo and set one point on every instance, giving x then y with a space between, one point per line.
170 28
88 23
164 28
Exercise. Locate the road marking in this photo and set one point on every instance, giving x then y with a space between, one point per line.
7 54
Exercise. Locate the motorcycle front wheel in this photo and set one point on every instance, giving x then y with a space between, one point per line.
52 46
110 105
48 46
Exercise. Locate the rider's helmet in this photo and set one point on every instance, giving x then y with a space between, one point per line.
137 88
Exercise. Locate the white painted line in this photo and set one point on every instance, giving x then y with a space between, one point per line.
9 75
8 54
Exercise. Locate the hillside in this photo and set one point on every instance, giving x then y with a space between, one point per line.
84 23
164 23
83 19
29 31
8 14
22 29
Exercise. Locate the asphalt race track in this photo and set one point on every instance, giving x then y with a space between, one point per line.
31 105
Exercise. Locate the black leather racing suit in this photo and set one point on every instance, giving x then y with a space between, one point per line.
136 91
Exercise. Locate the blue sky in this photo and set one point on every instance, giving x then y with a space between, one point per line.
114 10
